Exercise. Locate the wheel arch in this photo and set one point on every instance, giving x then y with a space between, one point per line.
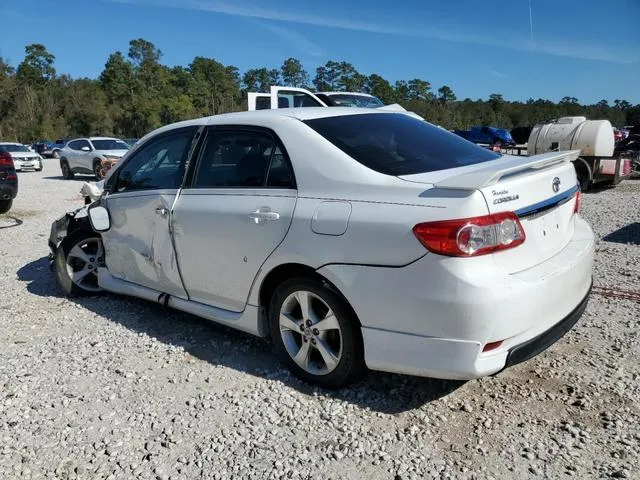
282 272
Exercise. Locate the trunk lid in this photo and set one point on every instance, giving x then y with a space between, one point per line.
540 189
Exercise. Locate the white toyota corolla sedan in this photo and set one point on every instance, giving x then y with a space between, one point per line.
354 238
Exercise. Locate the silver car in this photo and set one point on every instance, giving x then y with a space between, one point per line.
88 155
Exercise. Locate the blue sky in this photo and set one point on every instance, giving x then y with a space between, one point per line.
589 49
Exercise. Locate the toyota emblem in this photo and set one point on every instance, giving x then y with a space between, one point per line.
556 184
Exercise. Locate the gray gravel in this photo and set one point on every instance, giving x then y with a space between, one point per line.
110 387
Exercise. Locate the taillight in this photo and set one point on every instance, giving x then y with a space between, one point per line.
475 236
576 208
5 159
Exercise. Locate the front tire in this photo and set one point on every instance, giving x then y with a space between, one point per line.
76 261
5 205
67 173
316 333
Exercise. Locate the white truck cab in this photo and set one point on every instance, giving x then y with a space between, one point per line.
292 97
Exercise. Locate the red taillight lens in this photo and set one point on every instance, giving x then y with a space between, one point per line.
491 346
475 236
576 208
5 159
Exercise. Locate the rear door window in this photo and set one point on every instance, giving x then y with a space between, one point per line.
397 144
243 159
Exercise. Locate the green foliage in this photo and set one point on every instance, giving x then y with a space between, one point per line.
137 93
293 74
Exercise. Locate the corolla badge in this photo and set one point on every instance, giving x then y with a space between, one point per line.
555 184
506 197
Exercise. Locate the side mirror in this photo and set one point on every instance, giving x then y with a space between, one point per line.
99 218
85 149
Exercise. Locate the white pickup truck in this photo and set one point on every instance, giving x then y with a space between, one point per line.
291 97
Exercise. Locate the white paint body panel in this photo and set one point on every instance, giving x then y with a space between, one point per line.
220 247
432 317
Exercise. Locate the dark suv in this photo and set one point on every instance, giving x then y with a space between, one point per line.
8 181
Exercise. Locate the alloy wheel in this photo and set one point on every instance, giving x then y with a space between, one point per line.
82 263
310 333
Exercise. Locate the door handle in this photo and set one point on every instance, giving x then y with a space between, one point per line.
264 214
163 212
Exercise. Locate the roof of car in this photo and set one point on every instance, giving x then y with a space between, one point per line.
301 113
12 143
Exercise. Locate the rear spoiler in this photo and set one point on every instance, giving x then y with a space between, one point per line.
514 166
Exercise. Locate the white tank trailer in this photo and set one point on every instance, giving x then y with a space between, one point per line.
595 140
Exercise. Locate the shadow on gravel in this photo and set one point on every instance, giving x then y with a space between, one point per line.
219 345
13 222
625 235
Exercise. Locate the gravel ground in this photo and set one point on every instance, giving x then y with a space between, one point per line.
119 388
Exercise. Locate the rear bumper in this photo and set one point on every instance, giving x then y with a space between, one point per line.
531 348
433 318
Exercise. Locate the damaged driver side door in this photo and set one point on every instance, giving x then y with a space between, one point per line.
138 246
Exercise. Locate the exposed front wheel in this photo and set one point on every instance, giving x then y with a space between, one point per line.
76 262
316 333
5 205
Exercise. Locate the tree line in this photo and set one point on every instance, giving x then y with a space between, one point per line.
136 93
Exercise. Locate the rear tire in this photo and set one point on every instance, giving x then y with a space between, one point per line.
75 263
316 333
67 173
97 168
584 179
5 205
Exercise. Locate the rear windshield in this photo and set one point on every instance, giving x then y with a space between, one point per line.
397 144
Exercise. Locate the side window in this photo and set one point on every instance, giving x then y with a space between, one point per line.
263 103
82 144
157 165
74 145
242 159
290 99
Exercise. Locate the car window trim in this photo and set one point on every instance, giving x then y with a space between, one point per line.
237 128
113 180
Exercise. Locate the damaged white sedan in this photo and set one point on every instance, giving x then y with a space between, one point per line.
354 238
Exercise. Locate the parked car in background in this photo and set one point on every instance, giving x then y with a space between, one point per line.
44 148
487 135
91 155
353 237
8 181
291 97
620 134
23 157
57 147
